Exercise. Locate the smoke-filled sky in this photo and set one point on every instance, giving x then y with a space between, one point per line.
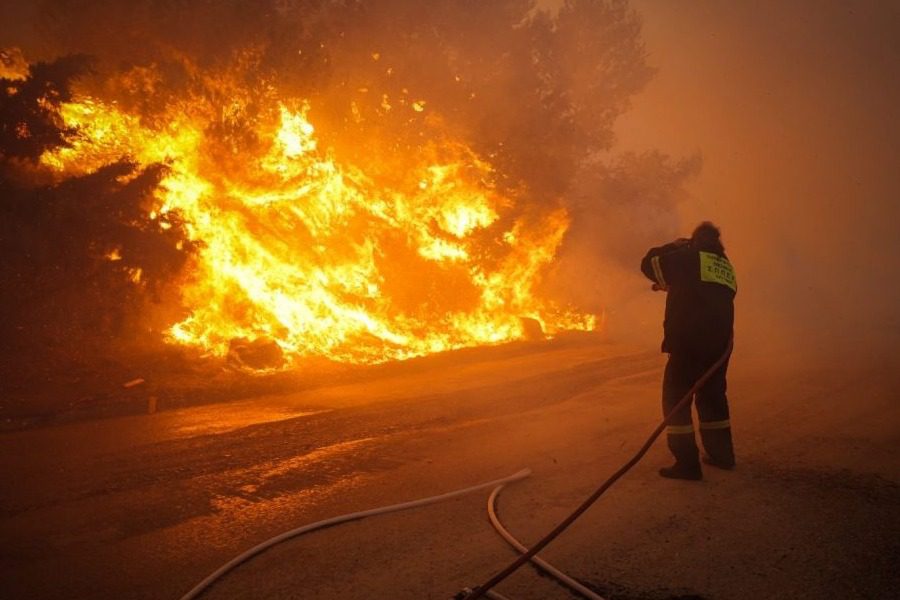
794 109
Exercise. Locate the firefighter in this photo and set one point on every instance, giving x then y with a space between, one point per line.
700 286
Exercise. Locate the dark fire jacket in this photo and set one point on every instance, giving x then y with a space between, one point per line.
701 286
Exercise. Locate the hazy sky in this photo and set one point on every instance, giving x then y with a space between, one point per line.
794 108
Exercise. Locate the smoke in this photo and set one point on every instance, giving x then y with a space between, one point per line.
793 107
620 206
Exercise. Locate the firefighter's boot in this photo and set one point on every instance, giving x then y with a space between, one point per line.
680 471
718 445
687 457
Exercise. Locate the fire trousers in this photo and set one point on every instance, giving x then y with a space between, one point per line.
682 371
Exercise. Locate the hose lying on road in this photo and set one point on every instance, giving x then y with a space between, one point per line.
540 562
527 554
491 594
260 548
512 567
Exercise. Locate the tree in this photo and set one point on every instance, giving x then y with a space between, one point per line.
81 256
29 108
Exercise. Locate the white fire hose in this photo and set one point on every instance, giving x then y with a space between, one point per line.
537 560
260 548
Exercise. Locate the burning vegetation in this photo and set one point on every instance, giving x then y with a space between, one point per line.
323 258
341 180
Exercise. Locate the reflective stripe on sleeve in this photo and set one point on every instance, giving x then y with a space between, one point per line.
679 429
657 271
716 424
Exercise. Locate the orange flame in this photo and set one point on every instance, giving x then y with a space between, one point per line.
322 259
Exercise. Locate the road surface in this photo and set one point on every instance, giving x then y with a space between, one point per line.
144 507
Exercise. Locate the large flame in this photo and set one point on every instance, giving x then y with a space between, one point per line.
324 258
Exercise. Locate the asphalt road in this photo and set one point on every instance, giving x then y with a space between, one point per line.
145 507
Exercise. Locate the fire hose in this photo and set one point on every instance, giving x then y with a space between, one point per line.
260 548
527 555
537 560
523 558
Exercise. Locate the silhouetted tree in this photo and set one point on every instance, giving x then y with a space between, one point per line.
81 257
29 108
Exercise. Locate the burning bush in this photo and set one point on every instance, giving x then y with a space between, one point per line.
349 180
